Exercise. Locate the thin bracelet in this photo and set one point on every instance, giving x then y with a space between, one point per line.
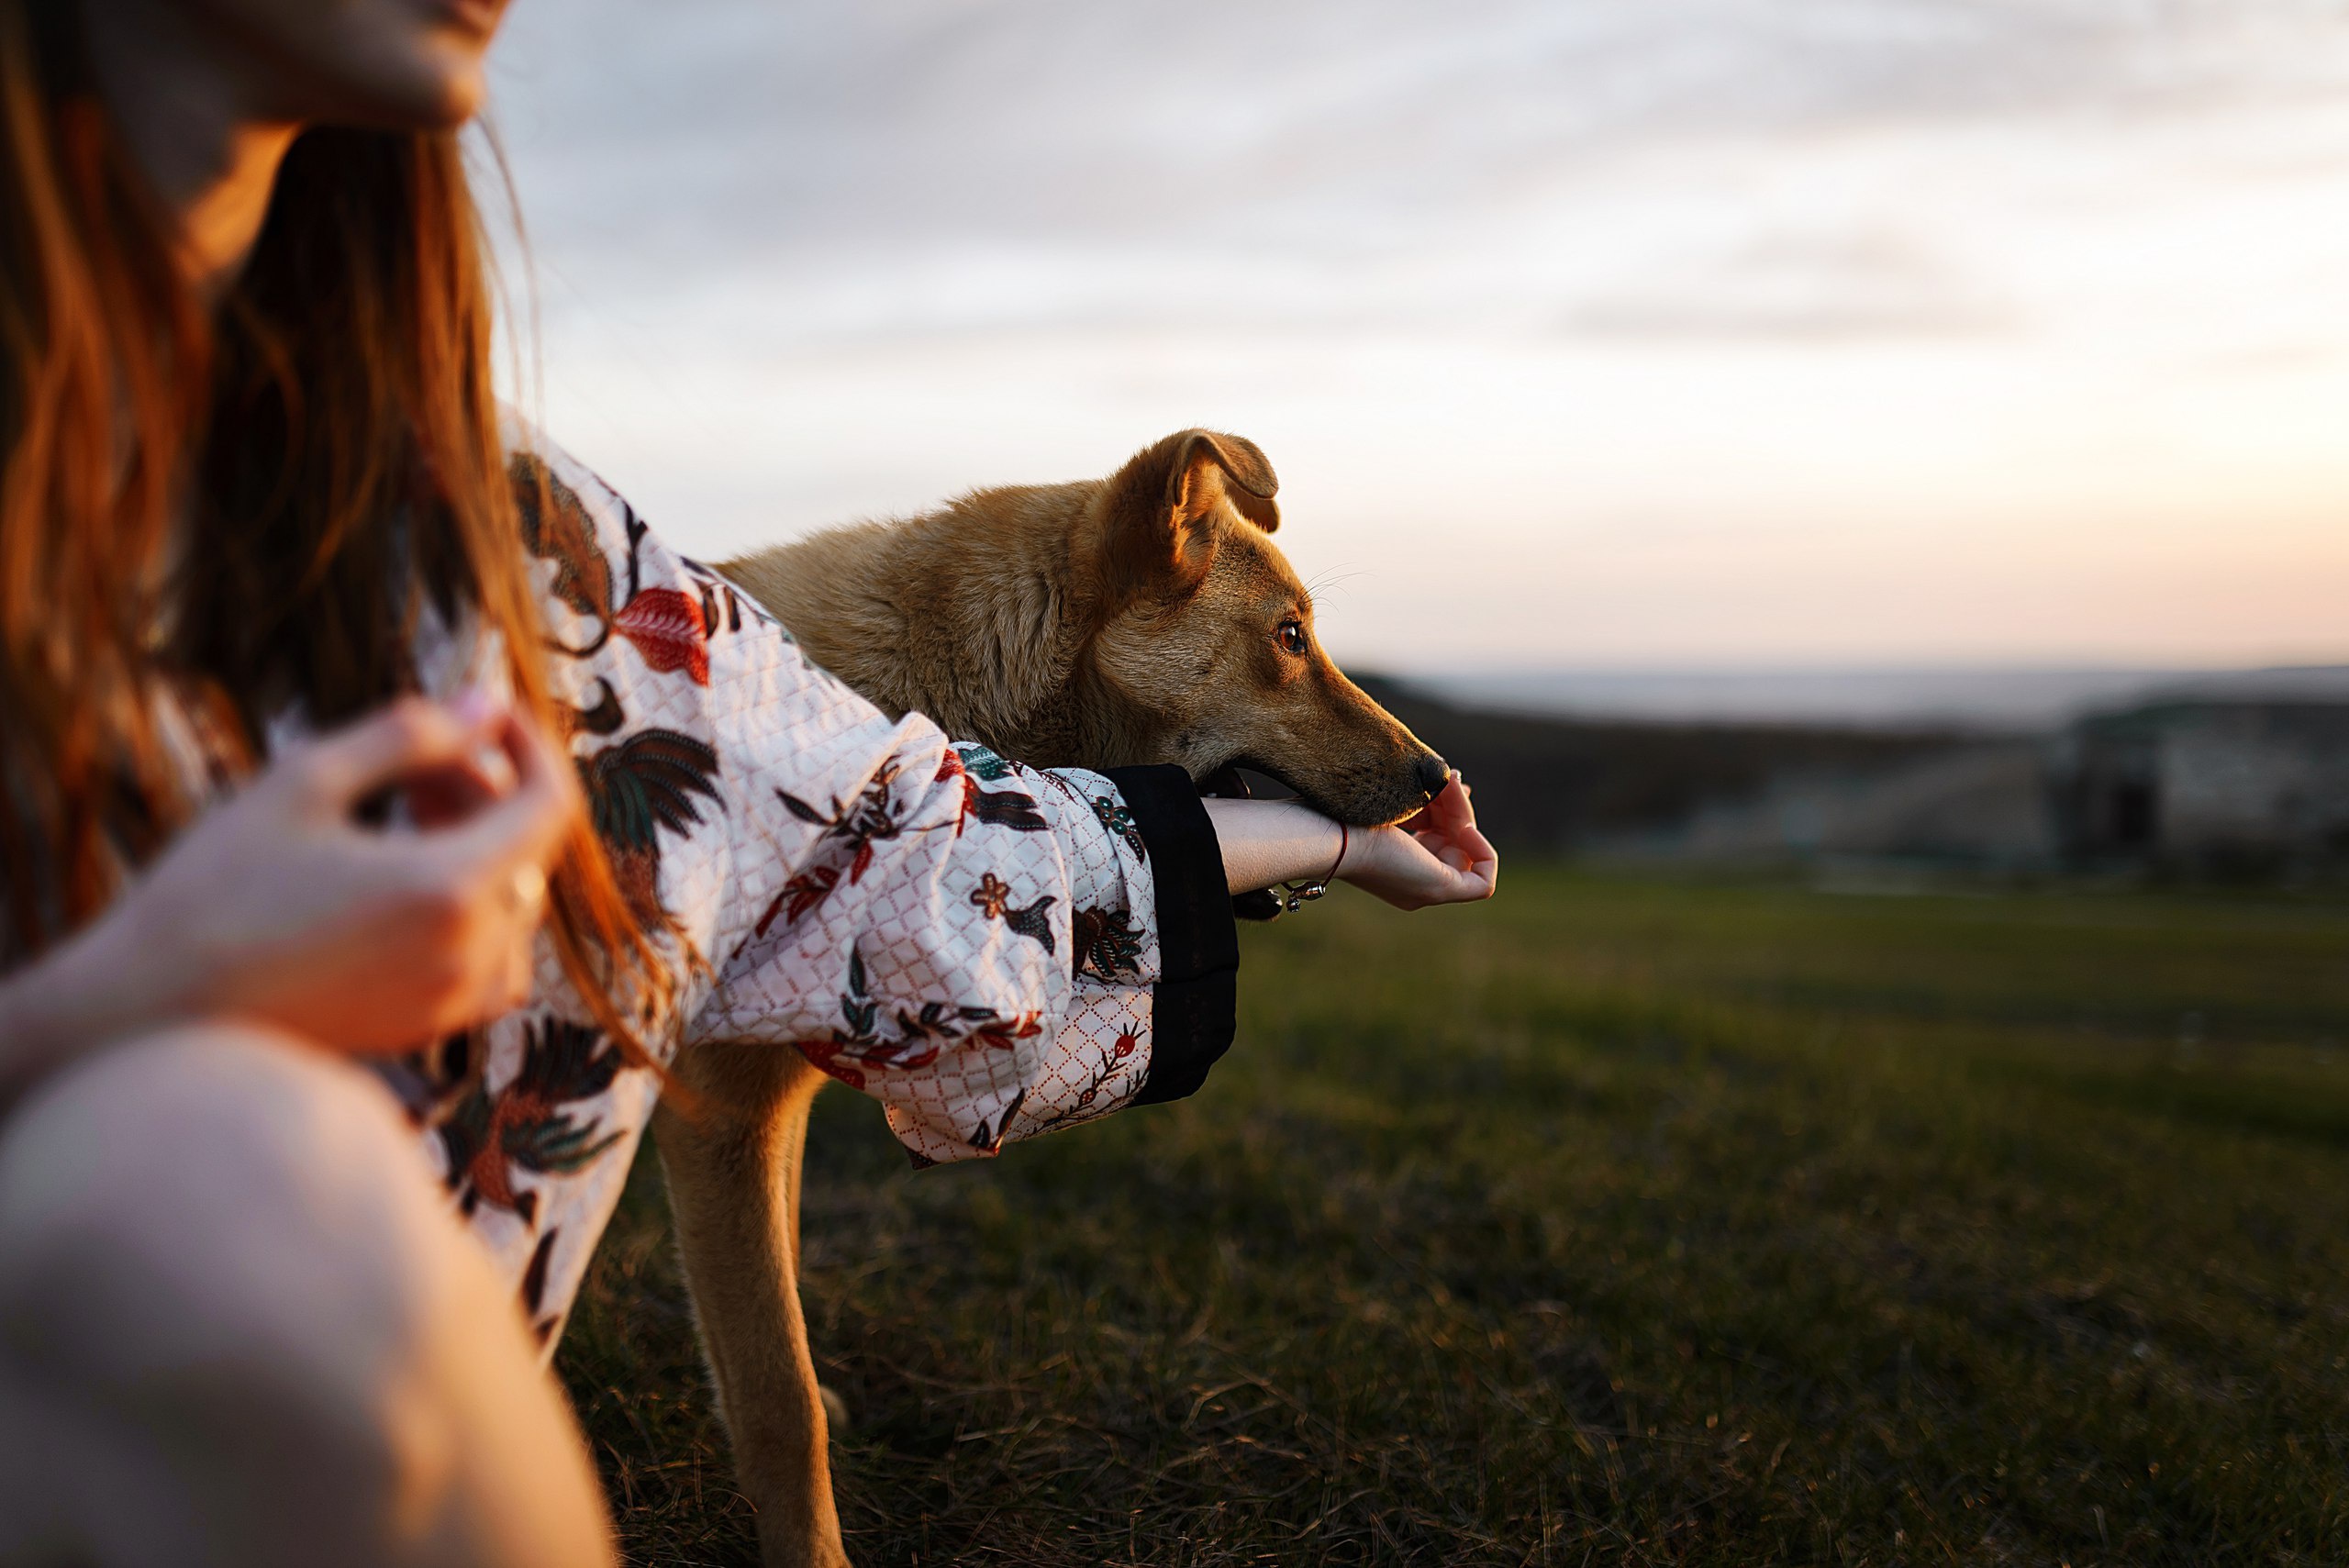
1296 893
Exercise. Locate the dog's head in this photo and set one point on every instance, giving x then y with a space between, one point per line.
1208 638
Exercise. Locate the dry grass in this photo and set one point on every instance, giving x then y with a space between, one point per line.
1617 1222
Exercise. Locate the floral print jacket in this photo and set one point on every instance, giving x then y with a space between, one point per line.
989 950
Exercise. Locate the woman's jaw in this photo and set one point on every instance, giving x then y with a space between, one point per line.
209 94
382 65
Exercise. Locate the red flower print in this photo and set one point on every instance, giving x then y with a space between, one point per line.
993 895
1034 922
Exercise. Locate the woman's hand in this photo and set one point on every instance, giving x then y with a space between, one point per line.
1436 857
280 906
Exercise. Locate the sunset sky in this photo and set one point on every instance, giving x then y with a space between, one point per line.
1581 332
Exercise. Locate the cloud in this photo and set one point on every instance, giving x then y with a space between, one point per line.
1500 267
1804 288
1290 122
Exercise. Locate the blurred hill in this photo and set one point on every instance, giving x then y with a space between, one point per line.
1548 785
2244 775
1995 698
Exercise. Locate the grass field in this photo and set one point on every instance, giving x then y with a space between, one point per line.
1616 1221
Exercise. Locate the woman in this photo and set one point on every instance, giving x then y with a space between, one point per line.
296 641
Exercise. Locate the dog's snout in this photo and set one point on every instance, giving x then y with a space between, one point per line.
1430 773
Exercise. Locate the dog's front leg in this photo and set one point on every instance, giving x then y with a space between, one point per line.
733 1171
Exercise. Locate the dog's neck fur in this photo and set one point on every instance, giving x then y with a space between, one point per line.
901 609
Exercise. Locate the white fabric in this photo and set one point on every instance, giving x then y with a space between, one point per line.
969 941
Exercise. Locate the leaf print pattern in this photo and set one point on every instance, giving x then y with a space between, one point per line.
605 715
429 1083
1105 943
1116 816
998 1033
1064 785
989 1140
637 787
725 608
525 1126
561 532
856 1043
983 762
1001 808
647 782
877 817
1111 1064
534 1288
993 895
666 628
922 1033
801 894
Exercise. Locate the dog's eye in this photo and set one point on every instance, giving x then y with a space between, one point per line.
1291 636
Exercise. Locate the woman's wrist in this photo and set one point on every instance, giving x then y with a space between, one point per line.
1363 853
1267 842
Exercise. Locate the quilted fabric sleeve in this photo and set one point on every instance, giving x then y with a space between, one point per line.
989 950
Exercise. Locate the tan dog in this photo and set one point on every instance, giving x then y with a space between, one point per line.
1145 617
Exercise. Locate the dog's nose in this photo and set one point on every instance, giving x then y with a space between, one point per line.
1431 773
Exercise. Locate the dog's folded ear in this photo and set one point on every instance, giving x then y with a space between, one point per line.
1161 503
1208 467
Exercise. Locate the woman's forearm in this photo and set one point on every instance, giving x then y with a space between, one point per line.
1436 857
1269 842
93 989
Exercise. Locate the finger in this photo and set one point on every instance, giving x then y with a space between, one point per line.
531 822
1461 809
1467 798
438 797
1445 811
1473 864
1462 830
520 978
1486 863
1456 837
412 734
535 758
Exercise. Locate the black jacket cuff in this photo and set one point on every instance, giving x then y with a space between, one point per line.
1192 1009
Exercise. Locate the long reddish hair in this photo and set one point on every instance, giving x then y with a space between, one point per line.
326 443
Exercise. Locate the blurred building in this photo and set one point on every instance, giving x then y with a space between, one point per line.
1979 805
2235 775
2244 774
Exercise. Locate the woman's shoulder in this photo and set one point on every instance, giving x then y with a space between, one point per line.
555 490
604 575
